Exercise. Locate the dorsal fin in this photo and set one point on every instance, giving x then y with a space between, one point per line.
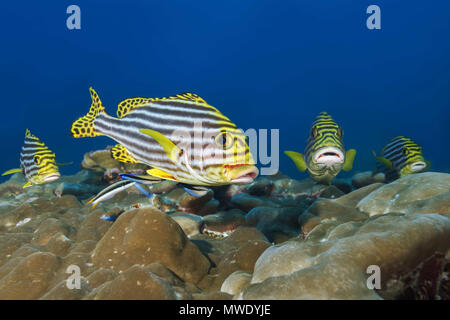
29 135
126 106
120 153
39 146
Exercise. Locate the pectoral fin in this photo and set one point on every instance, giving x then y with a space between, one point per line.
428 163
171 150
161 174
349 158
12 171
28 184
298 160
383 160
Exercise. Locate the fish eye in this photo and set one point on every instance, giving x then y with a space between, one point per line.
405 152
340 133
224 140
315 132
36 160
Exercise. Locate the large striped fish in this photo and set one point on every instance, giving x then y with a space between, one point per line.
182 138
324 154
401 157
37 162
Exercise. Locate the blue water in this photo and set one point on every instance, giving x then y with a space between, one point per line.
265 64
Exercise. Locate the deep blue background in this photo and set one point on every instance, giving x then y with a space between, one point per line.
265 64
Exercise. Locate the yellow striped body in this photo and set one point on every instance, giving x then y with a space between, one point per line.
325 154
401 157
210 149
37 162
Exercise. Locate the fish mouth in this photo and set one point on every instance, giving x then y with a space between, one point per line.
241 173
329 156
216 234
52 177
418 166
221 227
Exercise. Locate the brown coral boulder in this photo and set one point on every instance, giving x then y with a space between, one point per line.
144 236
137 283
335 265
427 192
30 278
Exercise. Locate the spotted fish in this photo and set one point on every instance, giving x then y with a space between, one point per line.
401 157
181 137
324 154
37 162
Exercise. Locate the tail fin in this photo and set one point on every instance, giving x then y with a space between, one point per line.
84 126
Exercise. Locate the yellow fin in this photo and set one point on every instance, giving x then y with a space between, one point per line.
126 106
383 160
93 205
84 126
428 163
28 133
349 158
298 160
120 153
161 174
12 171
28 184
171 150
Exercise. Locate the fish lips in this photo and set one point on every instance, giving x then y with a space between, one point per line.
241 173
329 156
52 177
418 166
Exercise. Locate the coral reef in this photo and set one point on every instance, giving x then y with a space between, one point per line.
427 192
276 238
332 263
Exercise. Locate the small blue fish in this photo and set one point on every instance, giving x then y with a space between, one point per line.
109 218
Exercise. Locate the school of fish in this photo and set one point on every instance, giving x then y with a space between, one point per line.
184 139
